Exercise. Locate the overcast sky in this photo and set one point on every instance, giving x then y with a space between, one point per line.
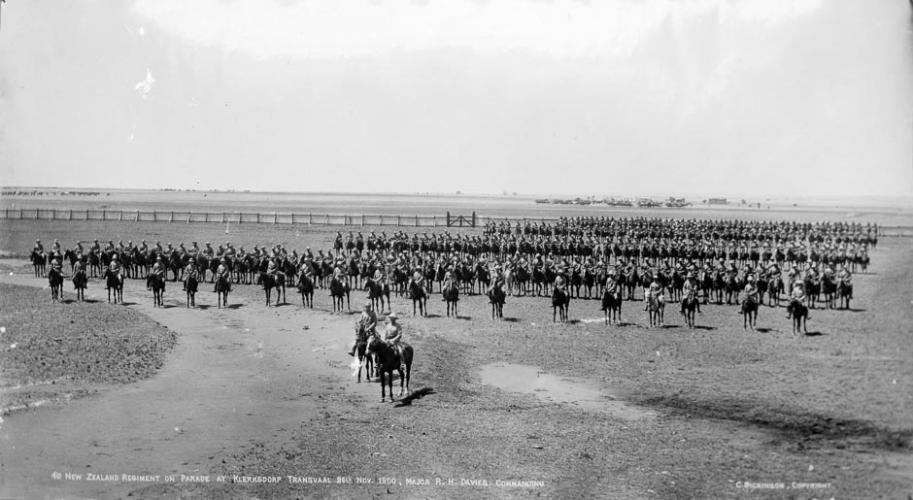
752 97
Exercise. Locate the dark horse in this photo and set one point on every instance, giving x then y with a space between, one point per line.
611 306
845 293
305 287
157 283
378 294
497 297
451 296
419 298
80 282
749 308
190 286
222 287
270 281
799 313
339 291
55 279
388 361
365 362
39 261
689 308
561 301
114 283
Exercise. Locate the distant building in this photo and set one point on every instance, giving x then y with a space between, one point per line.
717 201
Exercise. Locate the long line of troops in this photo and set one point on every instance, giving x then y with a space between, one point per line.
715 260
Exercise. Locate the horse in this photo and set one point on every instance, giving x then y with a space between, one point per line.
497 297
749 308
844 293
388 361
305 287
799 314
611 306
222 287
339 290
829 289
157 282
365 361
270 281
689 308
55 279
114 283
812 289
451 296
190 286
774 288
419 297
39 261
80 281
70 255
560 304
378 294
656 307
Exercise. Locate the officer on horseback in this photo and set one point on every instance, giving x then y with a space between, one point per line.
796 298
393 336
367 324
190 272
689 289
654 292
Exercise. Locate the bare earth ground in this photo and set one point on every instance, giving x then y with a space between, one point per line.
253 391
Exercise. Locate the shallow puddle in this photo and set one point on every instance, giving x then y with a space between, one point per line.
554 389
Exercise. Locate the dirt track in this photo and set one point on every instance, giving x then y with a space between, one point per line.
250 391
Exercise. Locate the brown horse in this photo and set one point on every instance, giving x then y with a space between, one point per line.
80 282
560 304
305 287
611 306
114 283
55 280
451 295
388 361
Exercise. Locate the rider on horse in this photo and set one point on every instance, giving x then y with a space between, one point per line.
446 283
367 324
222 273
689 289
751 289
393 336
655 291
190 272
796 298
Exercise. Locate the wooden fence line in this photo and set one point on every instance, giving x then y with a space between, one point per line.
309 218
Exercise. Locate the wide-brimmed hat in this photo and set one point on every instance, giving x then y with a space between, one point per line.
392 315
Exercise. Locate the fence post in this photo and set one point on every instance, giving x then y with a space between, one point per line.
328 219
121 215
398 220
275 217
473 218
189 216
310 218
136 217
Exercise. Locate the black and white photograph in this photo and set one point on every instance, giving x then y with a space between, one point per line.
457 249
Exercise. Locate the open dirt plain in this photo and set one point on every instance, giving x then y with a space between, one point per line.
514 409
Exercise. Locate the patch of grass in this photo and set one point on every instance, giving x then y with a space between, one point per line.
93 343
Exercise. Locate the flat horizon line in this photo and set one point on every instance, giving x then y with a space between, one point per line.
508 195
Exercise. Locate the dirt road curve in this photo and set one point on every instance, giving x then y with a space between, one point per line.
234 377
